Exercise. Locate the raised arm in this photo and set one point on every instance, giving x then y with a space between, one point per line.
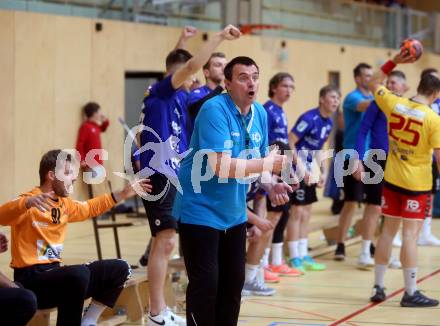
381 74
195 63
187 33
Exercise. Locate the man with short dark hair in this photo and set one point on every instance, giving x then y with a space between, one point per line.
414 136
355 103
163 141
38 221
427 238
213 71
229 139
17 305
309 134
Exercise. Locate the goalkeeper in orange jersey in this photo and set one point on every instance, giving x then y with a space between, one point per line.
414 132
38 221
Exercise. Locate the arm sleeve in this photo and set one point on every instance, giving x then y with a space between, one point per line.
301 127
81 142
11 212
163 89
351 102
80 211
105 125
367 122
213 128
385 100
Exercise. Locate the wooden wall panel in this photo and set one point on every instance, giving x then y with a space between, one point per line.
7 163
52 65
73 82
107 88
34 94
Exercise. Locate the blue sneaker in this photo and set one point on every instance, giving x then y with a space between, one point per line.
311 265
297 263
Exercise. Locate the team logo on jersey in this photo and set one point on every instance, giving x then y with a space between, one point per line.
381 92
256 137
412 206
235 134
46 251
302 126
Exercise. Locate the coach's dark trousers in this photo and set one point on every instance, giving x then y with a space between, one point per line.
215 264
67 287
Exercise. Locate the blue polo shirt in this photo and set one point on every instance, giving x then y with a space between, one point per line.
277 123
352 117
219 127
164 113
374 123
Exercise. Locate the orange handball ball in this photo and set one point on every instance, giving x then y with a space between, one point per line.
413 47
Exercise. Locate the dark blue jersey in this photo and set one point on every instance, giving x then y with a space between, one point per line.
312 131
276 122
164 119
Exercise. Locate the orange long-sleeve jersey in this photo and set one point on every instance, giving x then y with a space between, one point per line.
37 237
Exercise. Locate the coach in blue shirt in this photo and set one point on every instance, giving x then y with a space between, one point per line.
229 139
163 142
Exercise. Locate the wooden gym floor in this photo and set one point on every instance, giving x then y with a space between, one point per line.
337 296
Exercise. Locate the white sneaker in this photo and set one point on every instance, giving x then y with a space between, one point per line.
428 240
162 319
365 261
394 263
397 242
180 321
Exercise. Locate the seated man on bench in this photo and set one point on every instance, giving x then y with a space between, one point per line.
38 221
17 305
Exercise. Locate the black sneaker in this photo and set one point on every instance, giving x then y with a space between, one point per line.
378 294
372 249
417 300
340 252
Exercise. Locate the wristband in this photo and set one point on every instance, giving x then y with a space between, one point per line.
387 67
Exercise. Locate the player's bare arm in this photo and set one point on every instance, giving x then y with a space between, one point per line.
195 63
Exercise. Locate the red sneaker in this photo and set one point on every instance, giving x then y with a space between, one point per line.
284 270
270 277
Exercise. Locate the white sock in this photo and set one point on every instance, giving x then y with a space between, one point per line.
293 249
379 274
366 246
410 278
426 228
265 259
250 273
92 314
277 254
303 247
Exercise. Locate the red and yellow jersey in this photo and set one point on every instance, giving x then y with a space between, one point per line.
37 237
413 131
